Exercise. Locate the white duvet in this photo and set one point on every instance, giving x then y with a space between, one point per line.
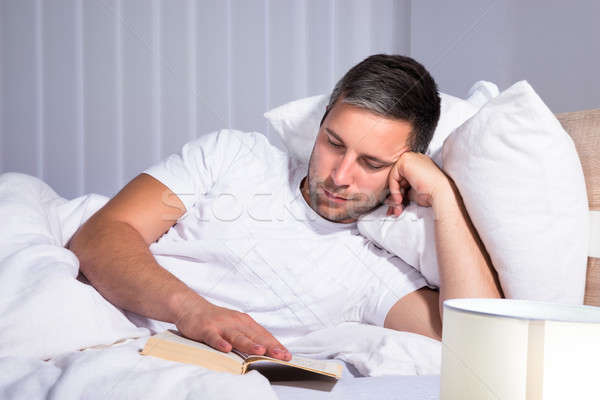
59 338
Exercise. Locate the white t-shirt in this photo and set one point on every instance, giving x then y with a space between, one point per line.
248 241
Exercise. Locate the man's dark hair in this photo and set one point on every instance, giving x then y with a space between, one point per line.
396 87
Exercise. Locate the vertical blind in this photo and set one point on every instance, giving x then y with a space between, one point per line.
95 91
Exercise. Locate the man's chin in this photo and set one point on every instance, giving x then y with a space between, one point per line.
340 219
336 213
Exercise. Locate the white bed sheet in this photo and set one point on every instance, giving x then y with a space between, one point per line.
119 372
47 314
349 387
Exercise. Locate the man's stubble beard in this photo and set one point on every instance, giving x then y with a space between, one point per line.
351 209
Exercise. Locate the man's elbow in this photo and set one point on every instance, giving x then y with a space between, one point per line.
417 312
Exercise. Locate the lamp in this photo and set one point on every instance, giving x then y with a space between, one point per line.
519 350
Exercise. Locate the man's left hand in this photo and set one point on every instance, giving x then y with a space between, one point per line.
417 178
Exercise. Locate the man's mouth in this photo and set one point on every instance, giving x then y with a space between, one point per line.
332 196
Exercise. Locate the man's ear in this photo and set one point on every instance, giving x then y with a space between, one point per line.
324 115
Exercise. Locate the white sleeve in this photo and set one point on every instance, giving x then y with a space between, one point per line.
201 163
391 279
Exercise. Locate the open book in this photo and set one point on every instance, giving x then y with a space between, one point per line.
171 345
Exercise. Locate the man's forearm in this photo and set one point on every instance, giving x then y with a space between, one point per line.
115 259
464 266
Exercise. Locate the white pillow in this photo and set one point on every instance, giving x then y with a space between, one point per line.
409 235
523 268
523 186
481 92
297 122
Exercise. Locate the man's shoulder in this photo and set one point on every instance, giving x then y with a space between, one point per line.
240 155
235 141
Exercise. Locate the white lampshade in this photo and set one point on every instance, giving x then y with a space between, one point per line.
519 350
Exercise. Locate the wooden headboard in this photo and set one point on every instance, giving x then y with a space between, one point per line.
584 128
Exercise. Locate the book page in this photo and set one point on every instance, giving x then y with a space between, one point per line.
325 367
174 336
240 353
174 351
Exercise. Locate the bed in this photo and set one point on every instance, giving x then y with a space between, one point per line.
115 369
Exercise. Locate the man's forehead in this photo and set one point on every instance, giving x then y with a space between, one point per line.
373 145
369 132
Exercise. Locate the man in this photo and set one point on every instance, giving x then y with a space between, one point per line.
235 244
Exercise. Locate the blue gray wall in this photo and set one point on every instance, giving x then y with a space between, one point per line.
94 91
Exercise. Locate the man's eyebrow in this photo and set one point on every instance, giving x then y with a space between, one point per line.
370 157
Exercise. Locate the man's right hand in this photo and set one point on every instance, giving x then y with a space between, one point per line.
224 329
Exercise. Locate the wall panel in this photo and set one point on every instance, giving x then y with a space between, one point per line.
22 86
99 90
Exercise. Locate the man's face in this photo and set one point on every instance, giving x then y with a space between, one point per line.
352 156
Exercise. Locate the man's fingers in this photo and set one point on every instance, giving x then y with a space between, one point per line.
274 347
224 329
398 187
395 188
242 342
277 350
216 341
397 204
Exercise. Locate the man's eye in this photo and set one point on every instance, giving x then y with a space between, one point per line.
334 144
374 166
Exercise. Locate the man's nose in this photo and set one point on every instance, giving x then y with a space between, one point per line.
342 173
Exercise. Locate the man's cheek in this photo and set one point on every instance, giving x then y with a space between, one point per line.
365 198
